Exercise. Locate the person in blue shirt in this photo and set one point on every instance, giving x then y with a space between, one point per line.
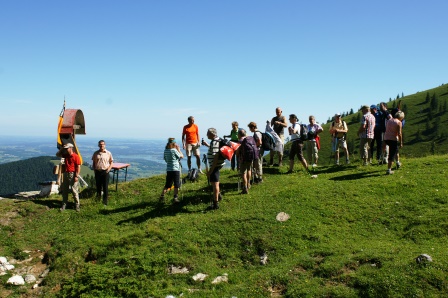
172 156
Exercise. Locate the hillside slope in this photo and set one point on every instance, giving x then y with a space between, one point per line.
352 232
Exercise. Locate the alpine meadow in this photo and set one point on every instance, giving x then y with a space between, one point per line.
349 231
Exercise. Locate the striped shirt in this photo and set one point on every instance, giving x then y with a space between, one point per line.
212 151
172 157
368 120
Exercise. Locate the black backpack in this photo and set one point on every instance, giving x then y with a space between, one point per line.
249 150
193 175
267 141
303 132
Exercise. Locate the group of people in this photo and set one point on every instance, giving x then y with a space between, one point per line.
247 159
377 126
71 168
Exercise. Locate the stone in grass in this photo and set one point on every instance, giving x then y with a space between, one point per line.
30 279
282 216
264 259
220 279
423 258
199 277
16 280
177 270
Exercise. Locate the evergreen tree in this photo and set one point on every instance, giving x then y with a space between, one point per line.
434 102
428 98
444 106
398 96
351 110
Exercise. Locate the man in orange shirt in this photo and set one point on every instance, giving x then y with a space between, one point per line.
72 168
190 142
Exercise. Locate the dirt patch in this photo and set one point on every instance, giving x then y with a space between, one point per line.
5 219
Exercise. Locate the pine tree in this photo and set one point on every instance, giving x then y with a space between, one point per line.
351 110
428 98
434 102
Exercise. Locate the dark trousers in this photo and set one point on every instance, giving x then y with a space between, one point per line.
378 138
102 184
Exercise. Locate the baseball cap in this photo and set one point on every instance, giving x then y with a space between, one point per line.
373 107
68 145
337 115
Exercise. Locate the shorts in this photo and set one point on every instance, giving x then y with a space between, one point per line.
192 148
172 177
341 143
214 176
296 149
393 149
245 167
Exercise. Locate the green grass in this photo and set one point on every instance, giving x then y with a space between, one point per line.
352 232
425 131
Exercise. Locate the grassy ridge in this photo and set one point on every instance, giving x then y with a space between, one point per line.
353 232
425 131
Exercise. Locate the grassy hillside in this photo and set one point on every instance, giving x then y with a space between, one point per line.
353 232
425 131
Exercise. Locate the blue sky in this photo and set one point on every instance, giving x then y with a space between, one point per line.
138 69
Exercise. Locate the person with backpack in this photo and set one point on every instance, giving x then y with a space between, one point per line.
257 163
216 162
247 153
297 143
278 123
338 131
172 156
366 133
312 143
234 138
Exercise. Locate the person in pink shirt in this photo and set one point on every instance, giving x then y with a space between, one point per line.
393 138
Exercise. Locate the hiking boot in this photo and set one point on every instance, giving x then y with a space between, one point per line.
347 161
314 165
398 165
244 191
62 207
105 202
289 172
77 208
276 165
176 200
336 162
389 172
219 197
161 199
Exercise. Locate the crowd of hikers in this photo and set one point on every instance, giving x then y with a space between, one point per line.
245 152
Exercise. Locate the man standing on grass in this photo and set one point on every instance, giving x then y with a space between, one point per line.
366 134
278 123
216 162
190 143
71 169
102 164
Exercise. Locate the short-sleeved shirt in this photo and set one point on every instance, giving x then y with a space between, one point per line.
212 151
314 130
257 136
392 130
369 121
191 132
172 158
71 161
295 136
102 160
340 126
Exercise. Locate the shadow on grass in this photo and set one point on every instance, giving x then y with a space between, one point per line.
357 176
166 208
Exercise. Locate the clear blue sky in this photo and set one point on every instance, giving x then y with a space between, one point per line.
140 68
